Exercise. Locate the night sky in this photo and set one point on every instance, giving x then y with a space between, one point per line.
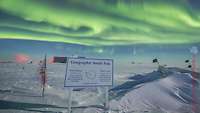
101 22
121 29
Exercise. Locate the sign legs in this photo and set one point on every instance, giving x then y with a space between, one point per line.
70 100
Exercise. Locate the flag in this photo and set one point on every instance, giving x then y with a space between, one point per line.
59 59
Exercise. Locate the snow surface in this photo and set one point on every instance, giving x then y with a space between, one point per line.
163 91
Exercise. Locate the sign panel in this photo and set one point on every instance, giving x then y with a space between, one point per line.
88 72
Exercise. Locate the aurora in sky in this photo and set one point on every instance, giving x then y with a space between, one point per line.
133 33
101 22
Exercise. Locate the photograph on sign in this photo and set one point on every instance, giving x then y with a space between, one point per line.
86 72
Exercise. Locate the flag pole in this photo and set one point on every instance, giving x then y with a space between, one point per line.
43 74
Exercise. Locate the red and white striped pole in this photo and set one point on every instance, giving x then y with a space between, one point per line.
194 51
43 74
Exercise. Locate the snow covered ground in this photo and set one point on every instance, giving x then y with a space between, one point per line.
168 94
153 92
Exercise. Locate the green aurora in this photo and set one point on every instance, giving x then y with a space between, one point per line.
101 22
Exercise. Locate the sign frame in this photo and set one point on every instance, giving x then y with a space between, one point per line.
82 86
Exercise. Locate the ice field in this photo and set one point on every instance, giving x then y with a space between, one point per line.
157 91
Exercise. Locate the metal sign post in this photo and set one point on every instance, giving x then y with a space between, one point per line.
106 100
70 100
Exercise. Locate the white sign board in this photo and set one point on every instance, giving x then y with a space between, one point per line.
88 72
